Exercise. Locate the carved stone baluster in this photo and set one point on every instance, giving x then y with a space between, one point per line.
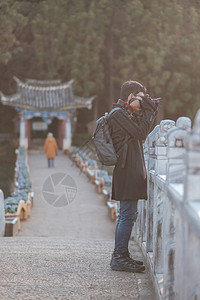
176 150
138 228
142 224
144 202
191 236
144 239
150 187
192 178
175 168
159 190
150 144
161 143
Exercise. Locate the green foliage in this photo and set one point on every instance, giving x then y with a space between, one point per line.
103 43
7 162
65 41
22 182
10 22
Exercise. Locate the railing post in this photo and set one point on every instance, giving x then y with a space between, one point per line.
144 202
189 237
161 146
176 150
151 140
192 178
2 214
68 135
141 223
23 141
159 193
140 228
175 171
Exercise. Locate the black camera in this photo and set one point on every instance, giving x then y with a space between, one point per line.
156 100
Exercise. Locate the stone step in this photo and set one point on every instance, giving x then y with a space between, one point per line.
59 268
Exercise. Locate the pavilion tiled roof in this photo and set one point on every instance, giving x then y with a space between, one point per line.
45 95
43 83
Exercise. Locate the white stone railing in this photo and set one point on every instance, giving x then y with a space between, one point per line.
2 214
168 223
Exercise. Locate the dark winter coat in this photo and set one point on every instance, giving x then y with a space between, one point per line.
129 175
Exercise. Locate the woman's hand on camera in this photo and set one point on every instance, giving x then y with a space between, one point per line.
135 105
148 103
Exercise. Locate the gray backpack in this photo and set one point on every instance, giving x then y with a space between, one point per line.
103 141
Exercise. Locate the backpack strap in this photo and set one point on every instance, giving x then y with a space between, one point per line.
127 139
113 110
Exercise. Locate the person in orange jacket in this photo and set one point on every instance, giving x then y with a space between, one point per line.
50 148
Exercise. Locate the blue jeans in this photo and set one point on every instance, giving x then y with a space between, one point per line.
50 162
127 216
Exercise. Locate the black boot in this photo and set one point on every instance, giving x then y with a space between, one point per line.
138 262
122 262
127 254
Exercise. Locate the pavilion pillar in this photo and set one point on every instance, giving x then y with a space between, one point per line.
28 131
23 141
68 135
61 132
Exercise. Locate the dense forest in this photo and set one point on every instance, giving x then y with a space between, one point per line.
101 43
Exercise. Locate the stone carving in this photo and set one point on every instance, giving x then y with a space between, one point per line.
161 135
184 123
151 139
176 136
150 147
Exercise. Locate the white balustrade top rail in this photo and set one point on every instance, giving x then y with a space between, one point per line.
2 214
168 223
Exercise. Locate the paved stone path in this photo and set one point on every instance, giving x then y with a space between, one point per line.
86 217
64 253
60 268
